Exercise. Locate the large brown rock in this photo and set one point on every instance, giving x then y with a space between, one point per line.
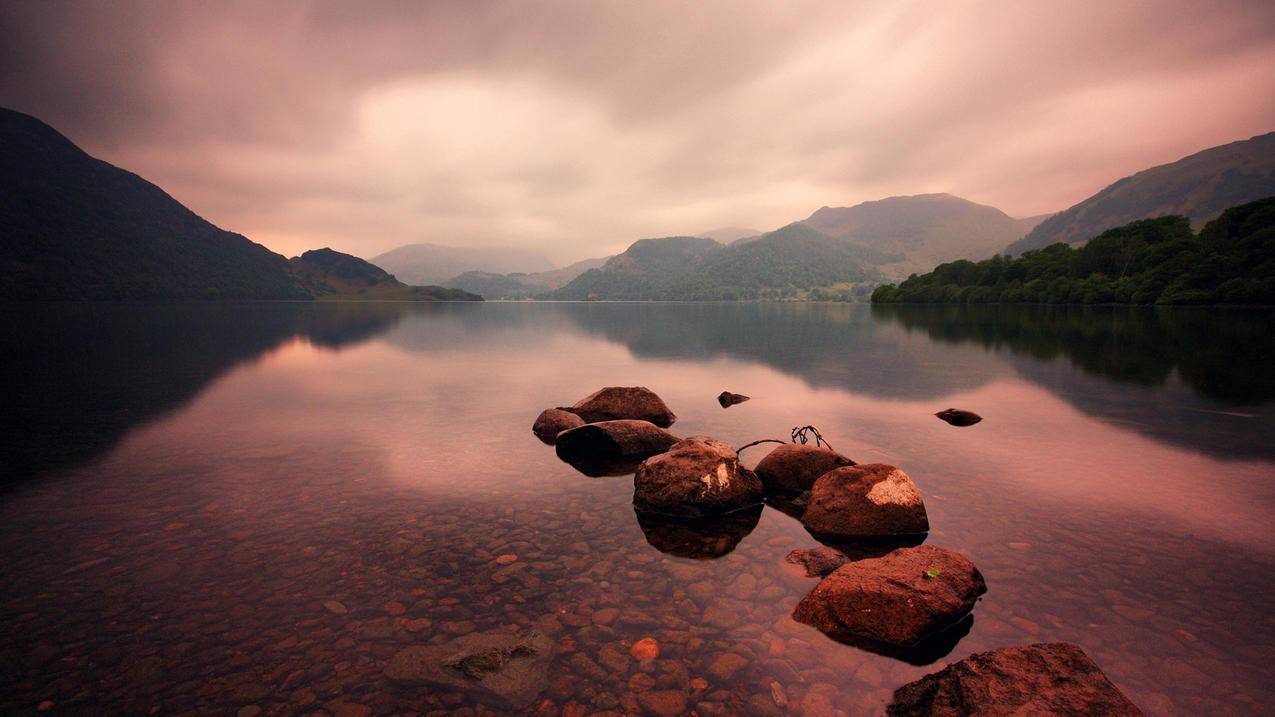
865 501
795 466
1044 679
698 476
898 599
615 403
502 668
553 421
612 447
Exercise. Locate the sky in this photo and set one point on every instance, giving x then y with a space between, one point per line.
575 128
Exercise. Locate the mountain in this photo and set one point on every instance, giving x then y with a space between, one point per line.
922 230
328 274
793 262
519 285
435 263
1198 187
729 235
1149 261
75 227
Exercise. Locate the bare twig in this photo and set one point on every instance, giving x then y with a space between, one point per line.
801 435
764 440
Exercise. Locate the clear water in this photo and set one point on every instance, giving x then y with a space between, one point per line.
188 488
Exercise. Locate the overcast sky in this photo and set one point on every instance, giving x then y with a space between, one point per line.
576 128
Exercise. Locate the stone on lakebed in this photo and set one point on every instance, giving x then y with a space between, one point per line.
1055 678
697 477
872 500
507 669
898 599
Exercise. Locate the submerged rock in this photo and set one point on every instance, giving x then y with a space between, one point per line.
819 561
870 500
508 669
612 447
957 417
553 421
795 466
898 599
728 399
697 477
615 403
1043 679
698 538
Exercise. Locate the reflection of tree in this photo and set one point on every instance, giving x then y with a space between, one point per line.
1224 355
79 377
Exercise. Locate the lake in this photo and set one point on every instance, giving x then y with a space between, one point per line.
216 508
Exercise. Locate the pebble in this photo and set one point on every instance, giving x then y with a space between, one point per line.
645 649
335 607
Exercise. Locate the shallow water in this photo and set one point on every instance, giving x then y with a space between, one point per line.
189 489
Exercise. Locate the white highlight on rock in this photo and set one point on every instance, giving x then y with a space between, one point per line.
896 489
718 479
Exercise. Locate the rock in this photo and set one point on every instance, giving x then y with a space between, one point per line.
664 703
335 607
698 538
1043 679
726 664
508 669
506 559
553 421
898 599
871 500
349 709
819 561
645 650
728 399
624 402
612 447
795 467
957 417
697 477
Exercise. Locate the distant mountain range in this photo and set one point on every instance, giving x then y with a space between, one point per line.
1198 187
923 230
729 235
795 262
75 227
436 263
520 285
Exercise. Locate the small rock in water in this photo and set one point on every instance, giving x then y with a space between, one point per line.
645 650
796 466
898 599
697 477
1042 679
871 500
612 447
335 607
728 399
624 402
957 417
506 669
506 559
819 561
553 421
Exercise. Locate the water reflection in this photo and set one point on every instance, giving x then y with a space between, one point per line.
705 539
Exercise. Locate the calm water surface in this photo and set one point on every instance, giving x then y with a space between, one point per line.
188 491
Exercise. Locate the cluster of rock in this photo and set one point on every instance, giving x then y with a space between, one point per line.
883 591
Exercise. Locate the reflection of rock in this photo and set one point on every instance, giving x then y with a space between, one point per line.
1043 679
819 561
624 402
612 447
795 466
958 417
701 539
872 500
553 421
728 399
510 670
697 477
898 599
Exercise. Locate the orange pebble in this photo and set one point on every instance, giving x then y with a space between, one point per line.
645 649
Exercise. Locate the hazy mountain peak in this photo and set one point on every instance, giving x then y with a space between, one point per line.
427 263
1198 186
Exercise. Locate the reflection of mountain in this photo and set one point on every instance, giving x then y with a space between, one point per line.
1187 376
79 377
1173 375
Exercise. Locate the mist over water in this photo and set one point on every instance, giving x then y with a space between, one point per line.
187 486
